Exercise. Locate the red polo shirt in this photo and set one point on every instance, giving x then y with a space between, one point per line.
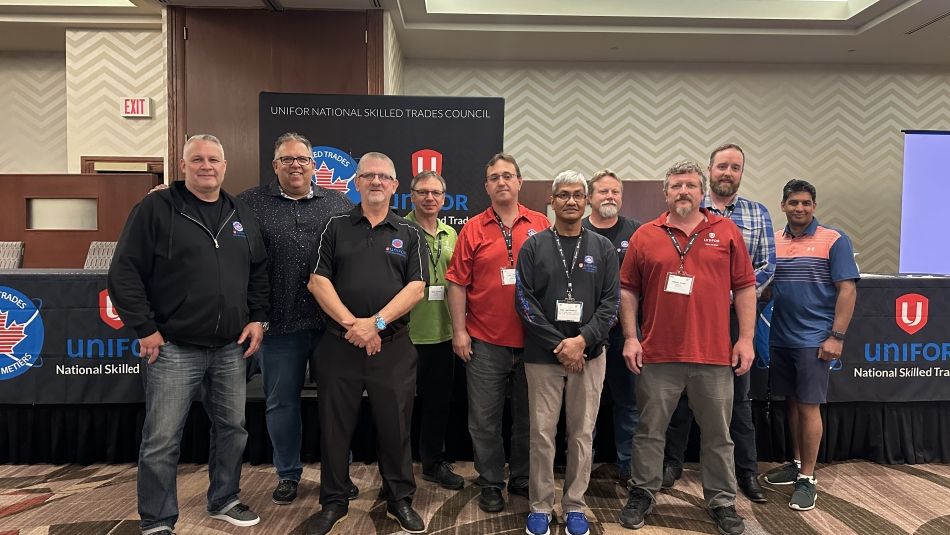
681 328
480 253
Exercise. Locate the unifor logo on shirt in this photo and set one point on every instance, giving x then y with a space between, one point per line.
711 240
395 248
238 229
588 265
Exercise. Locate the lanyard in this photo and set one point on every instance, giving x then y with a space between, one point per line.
680 251
434 258
506 234
568 271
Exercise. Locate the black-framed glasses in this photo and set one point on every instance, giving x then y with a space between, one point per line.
383 177
426 192
289 160
565 196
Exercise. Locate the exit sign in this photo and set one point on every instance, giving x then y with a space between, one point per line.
135 107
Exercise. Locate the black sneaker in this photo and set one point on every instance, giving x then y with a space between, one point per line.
353 493
639 505
408 520
239 515
444 476
491 500
727 520
670 475
323 522
786 474
804 496
285 493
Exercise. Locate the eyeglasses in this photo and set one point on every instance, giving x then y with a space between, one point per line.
302 160
507 177
425 193
369 177
565 196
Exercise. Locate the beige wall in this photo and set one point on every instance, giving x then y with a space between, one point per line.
393 63
101 68
838 127
32 112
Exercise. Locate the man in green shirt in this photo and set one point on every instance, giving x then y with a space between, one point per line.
430 329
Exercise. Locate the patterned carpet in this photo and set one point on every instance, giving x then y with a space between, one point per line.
854 498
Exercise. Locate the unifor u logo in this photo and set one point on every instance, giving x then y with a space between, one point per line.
426 160
911 313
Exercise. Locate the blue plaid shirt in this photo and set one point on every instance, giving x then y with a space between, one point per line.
754 221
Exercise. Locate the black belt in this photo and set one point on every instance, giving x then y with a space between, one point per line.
332 329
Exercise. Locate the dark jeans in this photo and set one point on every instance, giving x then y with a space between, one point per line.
621 383
741 429
436 375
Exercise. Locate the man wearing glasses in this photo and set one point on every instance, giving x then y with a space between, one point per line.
430 330
292 211
567 295
486 332
369 270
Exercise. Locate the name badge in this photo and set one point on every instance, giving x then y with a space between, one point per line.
436 293
679 283
569 310
507 276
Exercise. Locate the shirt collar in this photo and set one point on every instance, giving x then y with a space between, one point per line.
522 213
441 227
356 215
275 190
708 203
809 230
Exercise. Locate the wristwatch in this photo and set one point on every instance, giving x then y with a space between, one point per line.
264 325
838 335
380 322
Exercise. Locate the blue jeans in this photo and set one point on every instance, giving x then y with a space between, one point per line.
171 384
283 365
622 385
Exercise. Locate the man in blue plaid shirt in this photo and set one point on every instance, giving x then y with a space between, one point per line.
726 164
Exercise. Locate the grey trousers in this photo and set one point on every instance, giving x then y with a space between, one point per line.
709 390
548 386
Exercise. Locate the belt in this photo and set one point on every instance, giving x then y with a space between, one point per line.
384 339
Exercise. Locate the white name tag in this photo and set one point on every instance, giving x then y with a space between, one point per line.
507 276
679 283
436 293
569 311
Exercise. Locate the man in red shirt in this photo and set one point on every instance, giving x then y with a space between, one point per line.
681 268
487 333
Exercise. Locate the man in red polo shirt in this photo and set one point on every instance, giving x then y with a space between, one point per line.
680 268
486 330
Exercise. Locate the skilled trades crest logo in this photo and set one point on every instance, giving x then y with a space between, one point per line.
107 312
335 170
426 160
396 248
911 312
21 333
238 229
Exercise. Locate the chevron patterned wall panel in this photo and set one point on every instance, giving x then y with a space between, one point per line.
101 68
32 112
838 127
392 59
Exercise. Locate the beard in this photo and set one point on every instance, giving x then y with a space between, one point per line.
725 189
607 211
684 211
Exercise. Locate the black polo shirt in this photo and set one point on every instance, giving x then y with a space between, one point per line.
369 265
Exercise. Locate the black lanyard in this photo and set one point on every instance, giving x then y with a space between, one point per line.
506 234
434 258
680 251
568 271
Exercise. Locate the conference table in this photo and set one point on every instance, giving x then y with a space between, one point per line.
71 386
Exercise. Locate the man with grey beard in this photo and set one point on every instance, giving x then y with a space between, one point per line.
605 191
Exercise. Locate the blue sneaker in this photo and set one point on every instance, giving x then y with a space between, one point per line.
577 524
538 524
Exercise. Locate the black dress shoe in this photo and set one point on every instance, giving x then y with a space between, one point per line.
444 476
491 500
322 523
408 520
670 475
353 493
518 488
749 485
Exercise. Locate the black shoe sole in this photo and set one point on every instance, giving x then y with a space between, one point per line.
443 485
402 527
283 502
334 525
642 522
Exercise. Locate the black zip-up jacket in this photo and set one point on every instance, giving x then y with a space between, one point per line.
193 284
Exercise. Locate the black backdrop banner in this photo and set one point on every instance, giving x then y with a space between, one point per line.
62 342
452 135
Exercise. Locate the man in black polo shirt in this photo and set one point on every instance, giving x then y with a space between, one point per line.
369 270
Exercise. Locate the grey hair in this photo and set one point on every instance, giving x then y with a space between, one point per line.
201 137
568 177
424 175
292 136
375 156
599 175
686 167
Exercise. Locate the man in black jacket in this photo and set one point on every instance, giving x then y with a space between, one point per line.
189 275
567 294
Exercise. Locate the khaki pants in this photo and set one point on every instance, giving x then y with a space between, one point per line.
547 386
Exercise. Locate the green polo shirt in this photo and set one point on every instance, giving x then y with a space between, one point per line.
429 321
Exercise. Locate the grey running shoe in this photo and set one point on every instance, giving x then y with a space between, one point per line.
804 496
783 475
639 505
728 522
239 515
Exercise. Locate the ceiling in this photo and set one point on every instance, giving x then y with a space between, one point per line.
746 31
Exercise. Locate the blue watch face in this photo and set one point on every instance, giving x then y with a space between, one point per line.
380 323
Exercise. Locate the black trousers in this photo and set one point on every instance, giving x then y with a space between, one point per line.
435 379
741 429
389 377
